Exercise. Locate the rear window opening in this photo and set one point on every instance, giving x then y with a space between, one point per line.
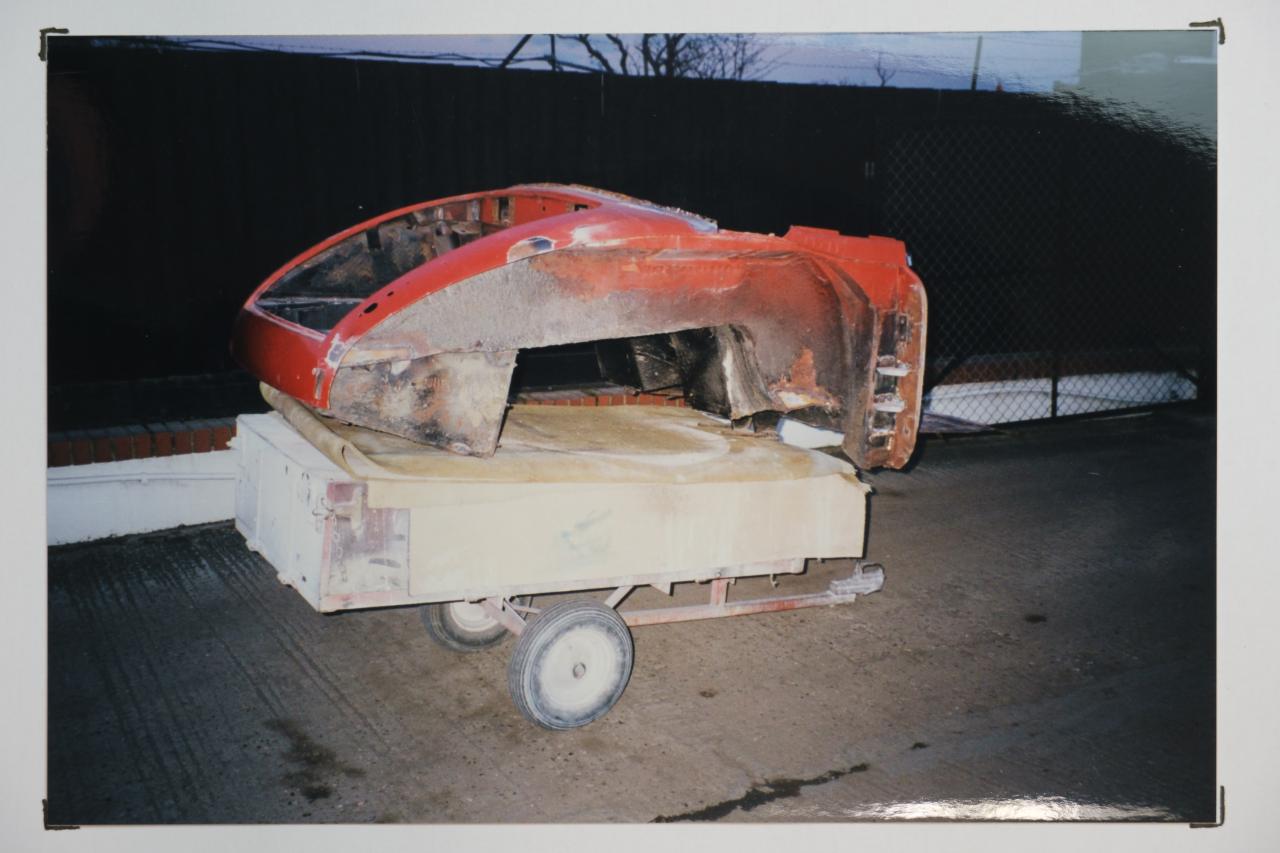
323 289
314 312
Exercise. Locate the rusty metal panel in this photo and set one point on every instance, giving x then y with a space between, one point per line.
866 579
453 400
366 549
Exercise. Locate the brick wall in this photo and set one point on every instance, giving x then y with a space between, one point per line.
111 444
170 438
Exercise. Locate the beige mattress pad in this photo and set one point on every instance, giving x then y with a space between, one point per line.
571 444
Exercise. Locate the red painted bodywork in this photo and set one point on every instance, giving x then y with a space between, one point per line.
597 248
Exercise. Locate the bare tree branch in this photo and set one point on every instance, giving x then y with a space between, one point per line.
672 53
623 52
561 64
512 55
585 40
884 72
707 56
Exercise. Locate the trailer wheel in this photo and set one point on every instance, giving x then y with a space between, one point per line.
461 626
571 664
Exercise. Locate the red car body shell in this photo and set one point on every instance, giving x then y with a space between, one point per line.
831 327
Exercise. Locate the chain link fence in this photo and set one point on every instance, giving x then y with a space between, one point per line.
1069 264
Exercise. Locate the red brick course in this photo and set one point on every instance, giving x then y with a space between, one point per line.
59 452
82 447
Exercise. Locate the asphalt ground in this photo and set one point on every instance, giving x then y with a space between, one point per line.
1043 648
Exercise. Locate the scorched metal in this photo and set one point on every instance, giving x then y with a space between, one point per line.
411 323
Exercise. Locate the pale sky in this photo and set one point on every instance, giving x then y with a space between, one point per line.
1020 61
1150 70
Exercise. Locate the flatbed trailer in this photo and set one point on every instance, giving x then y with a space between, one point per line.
576 499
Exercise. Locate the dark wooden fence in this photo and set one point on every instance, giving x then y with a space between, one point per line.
178 180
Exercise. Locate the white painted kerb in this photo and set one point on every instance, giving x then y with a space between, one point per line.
140 495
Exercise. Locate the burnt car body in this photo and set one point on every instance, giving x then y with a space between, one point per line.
411 322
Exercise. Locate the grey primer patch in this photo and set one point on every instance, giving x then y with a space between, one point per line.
772 789
315 762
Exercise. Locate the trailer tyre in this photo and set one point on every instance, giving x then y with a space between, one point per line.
462 626
571 664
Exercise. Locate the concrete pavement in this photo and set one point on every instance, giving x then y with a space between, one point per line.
1043 648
